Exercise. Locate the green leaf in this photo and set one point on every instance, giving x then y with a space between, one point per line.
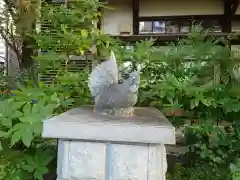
16 136
234 168
40 172
238 131
43 170
38 175
17 114
24 132
29 160
7 122
43 158
37 128
48 110
3 134
28 168
27 137
29 164
19 174
194 103
27 110
18 105
84 33
54 98
38 106
81 50
16 127
25 119
207 102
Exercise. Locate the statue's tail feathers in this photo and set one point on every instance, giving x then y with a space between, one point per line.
103 75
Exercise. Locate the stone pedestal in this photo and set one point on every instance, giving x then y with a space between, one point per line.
104 147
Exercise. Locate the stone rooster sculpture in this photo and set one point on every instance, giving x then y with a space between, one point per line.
110 96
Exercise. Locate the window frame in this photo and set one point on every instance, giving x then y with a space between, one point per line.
189 19
181 20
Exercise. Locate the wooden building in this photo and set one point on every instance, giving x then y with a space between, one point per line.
132 20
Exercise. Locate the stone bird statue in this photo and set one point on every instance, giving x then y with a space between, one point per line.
110 96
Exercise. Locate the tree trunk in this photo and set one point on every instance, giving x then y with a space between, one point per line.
29 50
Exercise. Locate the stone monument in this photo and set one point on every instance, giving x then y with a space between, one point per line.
111 96
111 140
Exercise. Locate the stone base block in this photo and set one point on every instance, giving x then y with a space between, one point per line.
92 146
110 161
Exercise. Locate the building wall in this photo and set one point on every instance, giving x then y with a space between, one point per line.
238 10
180 7
121 11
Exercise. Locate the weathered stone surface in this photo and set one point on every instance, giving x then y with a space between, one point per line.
111 161
127 162
104 147
87 160
157 158
148 125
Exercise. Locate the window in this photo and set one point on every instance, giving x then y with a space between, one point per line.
172 27
178 24
184 27
58 1
163 27
235 26
159 26
145 27
211 25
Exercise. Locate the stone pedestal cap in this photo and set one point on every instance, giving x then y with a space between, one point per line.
148 125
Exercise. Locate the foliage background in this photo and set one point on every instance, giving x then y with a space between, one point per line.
194 81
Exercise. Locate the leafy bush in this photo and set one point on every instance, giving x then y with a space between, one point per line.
196 83
199 172
66 31
24 154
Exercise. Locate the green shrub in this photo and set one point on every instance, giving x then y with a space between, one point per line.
193 75
24 154
195 82
199 172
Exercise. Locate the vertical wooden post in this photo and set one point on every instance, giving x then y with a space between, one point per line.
227 17
135 16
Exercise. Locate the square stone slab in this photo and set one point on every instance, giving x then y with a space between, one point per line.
148 125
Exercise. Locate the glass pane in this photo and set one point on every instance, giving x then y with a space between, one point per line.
184 27
212 25
159 26
145 27
235 48
216 28
235 26
172 27
58 1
